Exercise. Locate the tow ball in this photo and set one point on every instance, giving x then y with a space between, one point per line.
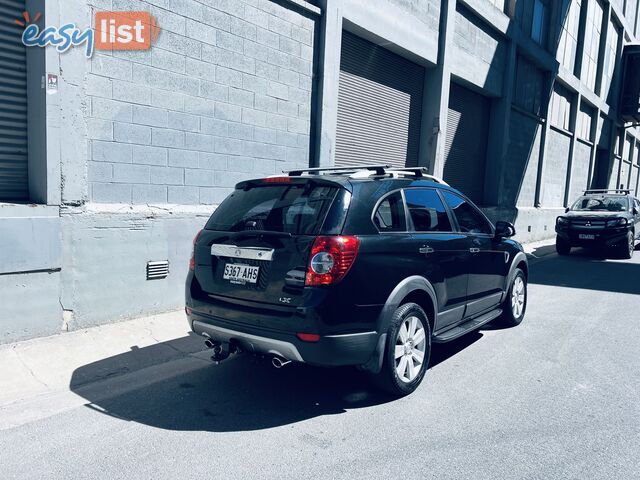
221 350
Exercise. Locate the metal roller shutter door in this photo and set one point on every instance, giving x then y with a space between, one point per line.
13 104
466 142
379 106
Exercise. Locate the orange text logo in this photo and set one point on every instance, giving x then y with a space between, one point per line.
125 30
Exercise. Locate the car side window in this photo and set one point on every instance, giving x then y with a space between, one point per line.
427 210
389 216
469 218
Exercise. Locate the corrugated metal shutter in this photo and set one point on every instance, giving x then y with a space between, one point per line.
379 106
466 142
13 104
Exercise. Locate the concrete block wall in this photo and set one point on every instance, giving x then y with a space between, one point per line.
427 11
224 95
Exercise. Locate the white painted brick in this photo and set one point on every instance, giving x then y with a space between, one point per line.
241 131
297 125
98 129
162 79
241 97
212 161
278 90
184 121
221 20
111 67
242 28
227 76
100 171
256 16
134 56
199 106
200 142
276 121
148 155
291 47
214 91
128 173
98 86
169 21
198 177
242 164
254 117
229 41
167 60
201 32
213 195
184 195
230 179
200 69
169 100
183 158
266 135
266 70
295 154
280 26
289 109
226 111
287 138
301 65
167 176
212 126
254 83
131 92
110 152
129 133
149 194
265 37
229 146
187 8
229 59
111 110
165 137
302 35
155 117
278 58
256 50
111 192
266 104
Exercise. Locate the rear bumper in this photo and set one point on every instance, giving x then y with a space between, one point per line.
330 350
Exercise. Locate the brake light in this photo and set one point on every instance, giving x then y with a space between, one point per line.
276 180
192 261
308 337
330 259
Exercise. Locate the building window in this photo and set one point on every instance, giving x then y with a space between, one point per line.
560 111
568 43
595 15
529 82
610 58
539 22
585 119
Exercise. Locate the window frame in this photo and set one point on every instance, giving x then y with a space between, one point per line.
376 206
475 207
412 228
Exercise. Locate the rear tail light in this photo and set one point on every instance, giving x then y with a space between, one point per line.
192 261
308 337
330 259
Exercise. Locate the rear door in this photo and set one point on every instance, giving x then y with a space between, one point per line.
488 263
442 255
256 245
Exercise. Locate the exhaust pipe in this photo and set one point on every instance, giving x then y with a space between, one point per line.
279 362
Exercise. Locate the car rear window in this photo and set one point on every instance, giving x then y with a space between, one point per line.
297 209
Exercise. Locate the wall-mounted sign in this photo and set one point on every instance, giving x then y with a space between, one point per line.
52 83
630 94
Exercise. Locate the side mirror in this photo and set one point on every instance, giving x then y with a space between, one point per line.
566 210
505 230
635 211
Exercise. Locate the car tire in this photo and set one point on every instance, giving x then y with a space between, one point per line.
515 305
407 351
627 248
562 246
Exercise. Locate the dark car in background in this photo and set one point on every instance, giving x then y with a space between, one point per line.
608 220
363 266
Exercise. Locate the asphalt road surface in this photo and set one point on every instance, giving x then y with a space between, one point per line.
556 397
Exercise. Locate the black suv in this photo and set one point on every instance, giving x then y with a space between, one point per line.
362 266
604 219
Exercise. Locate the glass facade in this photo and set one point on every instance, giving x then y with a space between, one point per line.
560 109
568 44
584 121
593 32
610 53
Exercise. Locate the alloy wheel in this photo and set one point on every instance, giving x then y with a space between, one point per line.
410 349
518 297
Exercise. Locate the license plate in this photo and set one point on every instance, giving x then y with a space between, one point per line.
240 274
586 236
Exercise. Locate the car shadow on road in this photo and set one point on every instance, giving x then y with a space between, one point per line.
243 393
589 270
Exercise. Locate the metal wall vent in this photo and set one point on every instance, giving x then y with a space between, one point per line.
157 270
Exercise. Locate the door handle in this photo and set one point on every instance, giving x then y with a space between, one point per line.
426 250
474 250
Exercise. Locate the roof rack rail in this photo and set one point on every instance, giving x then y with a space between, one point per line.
420 172
379 169
626 191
